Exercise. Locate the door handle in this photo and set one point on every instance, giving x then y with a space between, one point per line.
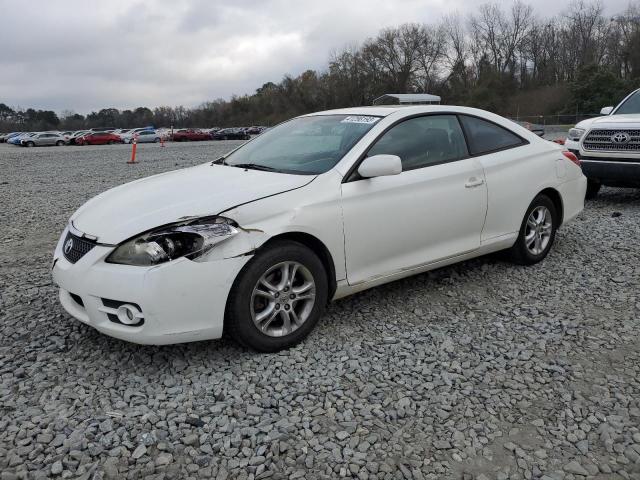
474 182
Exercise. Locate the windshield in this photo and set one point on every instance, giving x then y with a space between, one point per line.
631 105
305 145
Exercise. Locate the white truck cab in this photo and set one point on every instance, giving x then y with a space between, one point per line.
609 146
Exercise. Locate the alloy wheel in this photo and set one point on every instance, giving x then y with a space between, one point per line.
283 298
538 230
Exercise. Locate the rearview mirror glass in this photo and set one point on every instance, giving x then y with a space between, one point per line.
606 111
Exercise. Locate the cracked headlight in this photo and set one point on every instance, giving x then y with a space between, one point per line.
575 134
185 239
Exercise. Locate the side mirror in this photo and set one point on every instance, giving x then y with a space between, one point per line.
606 111
380 166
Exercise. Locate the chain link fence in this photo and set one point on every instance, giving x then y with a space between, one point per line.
568 119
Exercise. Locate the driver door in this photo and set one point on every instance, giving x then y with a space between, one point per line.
435 209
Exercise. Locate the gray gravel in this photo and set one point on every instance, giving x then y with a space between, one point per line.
481 370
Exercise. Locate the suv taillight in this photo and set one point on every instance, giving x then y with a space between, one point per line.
571 156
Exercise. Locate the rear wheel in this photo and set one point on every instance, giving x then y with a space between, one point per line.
593 187
278 297
537 232
30 144
59 143
111 142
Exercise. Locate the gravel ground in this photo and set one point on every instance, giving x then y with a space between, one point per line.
477 371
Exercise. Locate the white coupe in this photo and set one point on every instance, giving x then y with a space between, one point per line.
322 206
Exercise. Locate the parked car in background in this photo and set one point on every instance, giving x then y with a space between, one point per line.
17 139
147 136
320 207
255 130
164 133
44 139
127 137
67 135
609 146
532 127
231 134
190 135
75 135
8 136
98 138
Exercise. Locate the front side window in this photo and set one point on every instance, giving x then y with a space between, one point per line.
305 145
631 105
485 137
423 141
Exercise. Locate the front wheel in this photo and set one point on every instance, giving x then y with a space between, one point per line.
593 188
30 144
59 143
537 232
277 298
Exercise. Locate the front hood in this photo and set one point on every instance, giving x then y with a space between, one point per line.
133 208
613 121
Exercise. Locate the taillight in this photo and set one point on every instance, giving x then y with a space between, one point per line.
571 156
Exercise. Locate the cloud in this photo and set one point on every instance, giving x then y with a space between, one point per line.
88 55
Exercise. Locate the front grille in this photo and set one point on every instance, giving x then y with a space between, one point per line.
600 140
74 247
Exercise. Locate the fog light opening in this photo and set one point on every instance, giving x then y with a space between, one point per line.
128 314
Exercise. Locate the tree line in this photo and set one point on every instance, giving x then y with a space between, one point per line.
500 58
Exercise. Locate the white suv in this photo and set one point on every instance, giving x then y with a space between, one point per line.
609 146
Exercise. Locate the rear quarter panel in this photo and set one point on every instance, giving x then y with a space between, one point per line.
514 177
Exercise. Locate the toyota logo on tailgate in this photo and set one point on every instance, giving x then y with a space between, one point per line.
68 245
620 138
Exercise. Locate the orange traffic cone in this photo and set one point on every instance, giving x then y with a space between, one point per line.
134 146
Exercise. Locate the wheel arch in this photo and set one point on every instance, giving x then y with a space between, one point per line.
556 198
316 246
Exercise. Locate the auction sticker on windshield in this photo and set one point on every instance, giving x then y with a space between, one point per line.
360 119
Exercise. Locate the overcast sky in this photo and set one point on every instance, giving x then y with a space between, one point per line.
85 55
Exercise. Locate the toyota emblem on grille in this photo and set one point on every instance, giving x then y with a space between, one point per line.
68 245
620 138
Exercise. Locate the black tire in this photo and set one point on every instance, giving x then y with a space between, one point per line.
593 187
111 142
59 143
30 144
238 317
519 253
156 140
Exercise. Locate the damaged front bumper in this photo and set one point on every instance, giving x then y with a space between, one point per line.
178 301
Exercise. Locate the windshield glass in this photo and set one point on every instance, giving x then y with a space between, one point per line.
631 105
306 145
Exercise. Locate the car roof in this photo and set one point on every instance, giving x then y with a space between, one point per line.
386 110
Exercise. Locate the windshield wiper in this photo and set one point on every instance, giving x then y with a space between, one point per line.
254 166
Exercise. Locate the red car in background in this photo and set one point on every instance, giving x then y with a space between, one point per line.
190 135
99 138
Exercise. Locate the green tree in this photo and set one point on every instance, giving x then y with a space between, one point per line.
594 88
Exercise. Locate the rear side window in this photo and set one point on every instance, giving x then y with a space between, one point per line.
485 137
